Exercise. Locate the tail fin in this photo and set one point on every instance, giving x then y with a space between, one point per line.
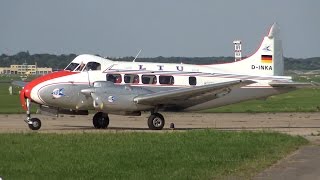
267 61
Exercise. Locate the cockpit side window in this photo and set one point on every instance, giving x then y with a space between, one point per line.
93 66
80 68
71 66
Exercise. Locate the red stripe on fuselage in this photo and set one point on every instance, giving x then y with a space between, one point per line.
27 89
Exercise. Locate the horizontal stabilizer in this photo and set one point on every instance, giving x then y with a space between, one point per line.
292 84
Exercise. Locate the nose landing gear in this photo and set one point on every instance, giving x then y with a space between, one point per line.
33 123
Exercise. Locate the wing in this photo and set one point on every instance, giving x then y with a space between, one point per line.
186 97
19 83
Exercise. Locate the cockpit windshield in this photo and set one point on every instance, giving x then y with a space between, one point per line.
90 66
93 66
72 66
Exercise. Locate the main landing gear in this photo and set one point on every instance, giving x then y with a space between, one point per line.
155 121
100 120
33 123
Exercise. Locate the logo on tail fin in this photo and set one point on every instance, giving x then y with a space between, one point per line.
267 49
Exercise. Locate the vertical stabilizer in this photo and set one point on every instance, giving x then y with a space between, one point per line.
266 61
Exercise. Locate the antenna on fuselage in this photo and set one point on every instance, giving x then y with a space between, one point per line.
134 60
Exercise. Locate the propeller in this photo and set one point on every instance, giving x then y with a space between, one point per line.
97 101
83 103
23 100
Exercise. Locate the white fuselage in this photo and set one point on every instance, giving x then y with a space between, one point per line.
180 75
263 67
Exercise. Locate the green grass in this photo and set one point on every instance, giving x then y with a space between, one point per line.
307 78
302 100
204 154
10 104
15 77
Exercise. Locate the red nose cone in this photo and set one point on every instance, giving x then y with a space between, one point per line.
27 90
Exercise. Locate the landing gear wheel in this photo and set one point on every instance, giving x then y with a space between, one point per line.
36 124
100 120
156 121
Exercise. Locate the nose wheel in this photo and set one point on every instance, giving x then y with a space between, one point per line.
34 124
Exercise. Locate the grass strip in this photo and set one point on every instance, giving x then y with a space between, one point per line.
201 154
302 100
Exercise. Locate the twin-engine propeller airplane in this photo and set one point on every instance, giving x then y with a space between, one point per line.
128 88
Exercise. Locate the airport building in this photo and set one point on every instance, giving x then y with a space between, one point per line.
25 69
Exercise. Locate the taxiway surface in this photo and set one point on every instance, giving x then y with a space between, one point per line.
304 124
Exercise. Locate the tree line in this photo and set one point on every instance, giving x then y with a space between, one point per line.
61 61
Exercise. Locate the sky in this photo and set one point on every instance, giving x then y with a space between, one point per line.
188 28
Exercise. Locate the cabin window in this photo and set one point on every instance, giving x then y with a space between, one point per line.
93 66
131 78
192 81
115 78
166 80
149 79
71 66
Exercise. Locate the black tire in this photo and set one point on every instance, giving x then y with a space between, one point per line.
100 120
156 121
36 124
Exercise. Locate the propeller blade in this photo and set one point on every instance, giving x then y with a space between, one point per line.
84 102
97 101
23 100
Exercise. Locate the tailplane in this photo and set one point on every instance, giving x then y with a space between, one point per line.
267 61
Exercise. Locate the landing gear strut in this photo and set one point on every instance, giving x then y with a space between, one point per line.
100 120
156 121
33 123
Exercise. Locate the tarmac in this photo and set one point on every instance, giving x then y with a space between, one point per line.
304 124
302 164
